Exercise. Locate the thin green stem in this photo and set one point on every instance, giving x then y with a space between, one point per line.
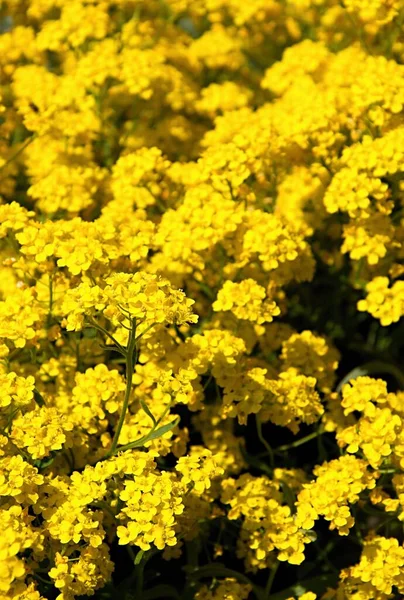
300 442
140 562
391 471
263 441
46 581
131 553
109 335
69 462
50 308
272 575
21 149
130 365
105 506
139 337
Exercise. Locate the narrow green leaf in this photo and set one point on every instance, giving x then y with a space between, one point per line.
39 398
46 462
219 570
89 332
289 496
161 591
163 429
318 585
371 368
148 412
152 435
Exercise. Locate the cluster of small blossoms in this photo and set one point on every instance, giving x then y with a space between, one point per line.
383 302
228 589
269 529
246 300
201 294
377 572
337 485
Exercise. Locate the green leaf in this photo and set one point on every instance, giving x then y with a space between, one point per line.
161 591
156 433
311 534
371 368
148 412
152 435
45 462
289 496
39 398
318 585
255 462
219 570
89 332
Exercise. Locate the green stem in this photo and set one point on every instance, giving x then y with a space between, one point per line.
271 578
111 337
298 443
391 471
263 441
102 504
139 337
131 553
140 562
49 317
69 462
21 149
130 365
46 581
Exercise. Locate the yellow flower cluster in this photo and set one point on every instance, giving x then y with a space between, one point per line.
42 430
246 300
143 297
379 569
228 589
269 529
383 302
377 431
201 294
337 485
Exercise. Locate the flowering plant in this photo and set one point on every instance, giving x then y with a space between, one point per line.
201 293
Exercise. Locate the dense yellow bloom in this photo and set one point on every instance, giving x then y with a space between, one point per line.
16 391
19 480
293 400
136 177
368 238
201 271
337 484
142 296
97 393
383 302
18 317
268 524
362 393
152 503
42 430
198 469
91 571
311 355
379 569
227 589
247 300
374 12
374 434
18 537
